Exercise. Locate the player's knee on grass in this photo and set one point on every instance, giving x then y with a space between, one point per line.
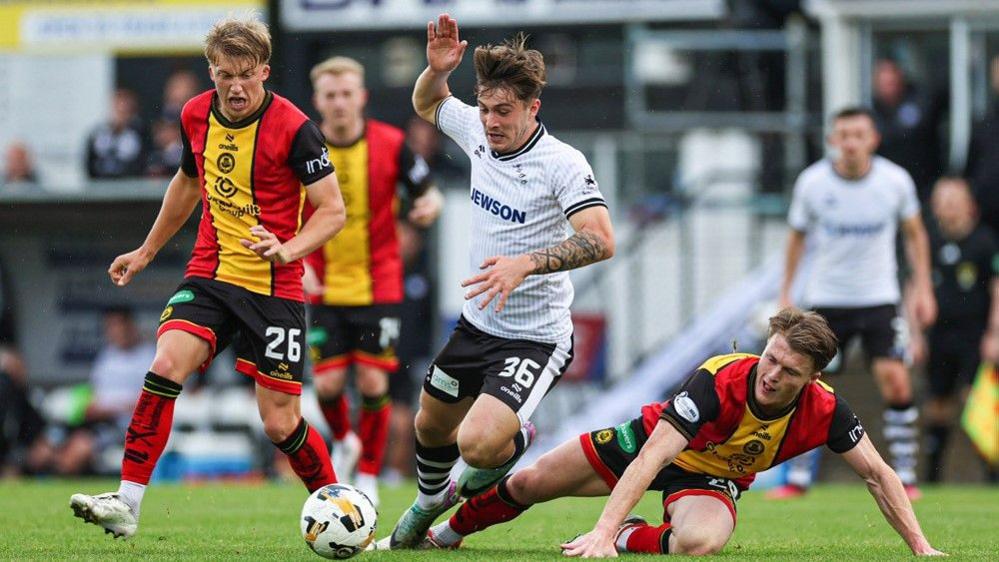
697 541
527 486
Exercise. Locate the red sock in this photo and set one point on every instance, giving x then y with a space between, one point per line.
649 539
149 429
373 429
486 509
308 456
337 414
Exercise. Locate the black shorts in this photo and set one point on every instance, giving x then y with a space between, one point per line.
342 335
518 372
611 450
954 357
267 333
882 330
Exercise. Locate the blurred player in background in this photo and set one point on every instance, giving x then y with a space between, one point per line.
735 416
536 213
247 155
966 283
853 205
355 280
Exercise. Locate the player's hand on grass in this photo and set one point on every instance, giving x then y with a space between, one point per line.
931 552
126 266
426 209
591 545
502 275
444 49
268 247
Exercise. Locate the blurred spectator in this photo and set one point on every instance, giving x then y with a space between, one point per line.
415 349
982 168
18 167
116 381
164 158
23 447
180 87
909 122
117 149
966 282
425 141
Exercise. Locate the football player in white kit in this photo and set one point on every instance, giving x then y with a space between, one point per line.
537 212
853 205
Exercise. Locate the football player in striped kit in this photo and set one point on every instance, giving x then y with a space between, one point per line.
736 415
251 158
537 213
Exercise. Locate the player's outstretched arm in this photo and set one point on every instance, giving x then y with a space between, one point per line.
328 218
182 196
592 241
444 53
663 446
889 494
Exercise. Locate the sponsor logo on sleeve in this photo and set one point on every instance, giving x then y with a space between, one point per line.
181 296
626 438
686 408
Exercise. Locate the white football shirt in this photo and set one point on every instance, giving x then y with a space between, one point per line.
854 223
521 202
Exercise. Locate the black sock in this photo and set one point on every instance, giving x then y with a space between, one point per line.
433 467
936 446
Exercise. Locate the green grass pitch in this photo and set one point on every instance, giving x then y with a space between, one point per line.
235 521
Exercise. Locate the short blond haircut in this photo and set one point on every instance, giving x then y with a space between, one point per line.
337 66
239 37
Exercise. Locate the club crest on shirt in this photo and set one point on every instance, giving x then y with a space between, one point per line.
604 436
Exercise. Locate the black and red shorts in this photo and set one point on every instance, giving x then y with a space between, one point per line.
267 333
611 450
343 335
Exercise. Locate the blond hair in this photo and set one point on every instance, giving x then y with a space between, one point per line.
337 66
510 65
239 37
806 333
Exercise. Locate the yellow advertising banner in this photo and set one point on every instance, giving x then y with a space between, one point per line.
147 26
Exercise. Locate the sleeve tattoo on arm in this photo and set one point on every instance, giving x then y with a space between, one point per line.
580 249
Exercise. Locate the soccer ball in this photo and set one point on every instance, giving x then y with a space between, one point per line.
338 521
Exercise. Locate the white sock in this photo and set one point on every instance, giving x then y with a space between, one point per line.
426 501
444 535
621 543
131 493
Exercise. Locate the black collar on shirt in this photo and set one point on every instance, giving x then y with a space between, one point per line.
527 146
268 97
